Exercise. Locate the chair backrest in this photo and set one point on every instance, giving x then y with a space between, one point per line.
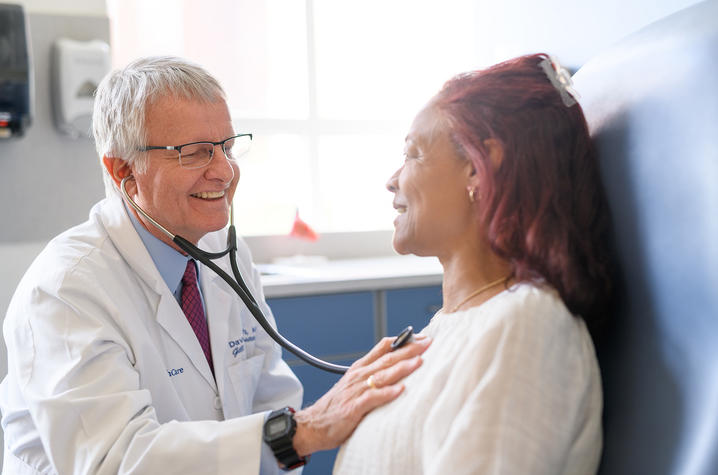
652 105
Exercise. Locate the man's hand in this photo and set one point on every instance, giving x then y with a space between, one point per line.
332 419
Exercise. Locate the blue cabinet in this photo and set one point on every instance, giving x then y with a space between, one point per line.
340 328
332 325
317 382
413 306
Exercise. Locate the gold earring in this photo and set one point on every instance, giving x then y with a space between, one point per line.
472 194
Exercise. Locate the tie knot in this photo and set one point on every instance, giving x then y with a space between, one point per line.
190 274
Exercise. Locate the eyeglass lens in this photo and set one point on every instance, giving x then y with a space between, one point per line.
199 154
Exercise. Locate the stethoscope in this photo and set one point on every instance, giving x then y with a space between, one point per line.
241 289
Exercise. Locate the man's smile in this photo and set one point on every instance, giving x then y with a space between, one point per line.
208 195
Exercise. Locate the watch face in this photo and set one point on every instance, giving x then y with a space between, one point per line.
276 427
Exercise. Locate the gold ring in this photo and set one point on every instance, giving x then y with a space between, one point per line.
370 382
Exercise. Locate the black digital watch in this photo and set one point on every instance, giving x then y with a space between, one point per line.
279 429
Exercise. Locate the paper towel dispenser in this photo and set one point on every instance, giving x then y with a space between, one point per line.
77 69
16 78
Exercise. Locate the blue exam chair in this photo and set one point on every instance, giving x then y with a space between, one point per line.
652 105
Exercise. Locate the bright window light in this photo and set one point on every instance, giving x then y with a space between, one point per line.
327 87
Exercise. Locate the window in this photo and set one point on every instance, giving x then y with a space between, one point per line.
328 88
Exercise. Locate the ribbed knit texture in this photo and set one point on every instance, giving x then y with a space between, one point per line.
507 387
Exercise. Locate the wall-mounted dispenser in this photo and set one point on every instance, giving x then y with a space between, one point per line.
77 69
16 78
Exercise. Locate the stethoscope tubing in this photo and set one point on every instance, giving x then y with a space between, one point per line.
237 284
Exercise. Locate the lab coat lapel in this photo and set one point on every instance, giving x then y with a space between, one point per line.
123 235
171 317
169 314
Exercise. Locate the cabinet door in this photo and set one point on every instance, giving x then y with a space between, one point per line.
317 382
413 306
336 327
326 325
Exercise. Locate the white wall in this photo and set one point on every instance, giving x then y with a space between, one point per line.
68 7
47 180
574 31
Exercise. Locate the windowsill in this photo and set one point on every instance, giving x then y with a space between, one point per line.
332 246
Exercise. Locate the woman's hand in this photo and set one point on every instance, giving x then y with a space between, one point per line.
332 419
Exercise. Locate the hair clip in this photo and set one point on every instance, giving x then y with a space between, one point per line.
561 80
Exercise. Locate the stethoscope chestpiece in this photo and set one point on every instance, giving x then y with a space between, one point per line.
406 335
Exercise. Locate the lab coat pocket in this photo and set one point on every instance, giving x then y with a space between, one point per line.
244 377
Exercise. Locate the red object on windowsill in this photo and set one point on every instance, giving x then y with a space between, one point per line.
301 230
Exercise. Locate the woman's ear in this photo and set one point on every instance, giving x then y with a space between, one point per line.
495 152
117 168
473 181
471 174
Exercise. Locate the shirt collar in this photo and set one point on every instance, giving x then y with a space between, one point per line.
169 262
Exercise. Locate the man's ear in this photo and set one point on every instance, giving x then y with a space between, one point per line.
495 152
117 168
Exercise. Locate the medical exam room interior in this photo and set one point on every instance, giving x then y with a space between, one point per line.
329 88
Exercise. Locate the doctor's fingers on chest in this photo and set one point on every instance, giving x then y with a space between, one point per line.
381 356
375 379
382 368
370 382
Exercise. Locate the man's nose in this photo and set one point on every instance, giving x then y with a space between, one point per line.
220 166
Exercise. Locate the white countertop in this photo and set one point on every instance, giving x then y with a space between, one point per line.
308 276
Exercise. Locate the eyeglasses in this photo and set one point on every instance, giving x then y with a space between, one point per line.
199 154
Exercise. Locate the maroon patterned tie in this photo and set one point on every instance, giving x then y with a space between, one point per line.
192 308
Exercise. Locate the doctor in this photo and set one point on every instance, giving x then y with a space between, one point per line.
121 359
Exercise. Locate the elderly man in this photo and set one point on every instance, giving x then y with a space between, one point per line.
118 347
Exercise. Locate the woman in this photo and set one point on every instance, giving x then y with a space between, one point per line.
500 182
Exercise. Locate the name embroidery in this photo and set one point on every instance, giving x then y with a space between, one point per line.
237 346
175 371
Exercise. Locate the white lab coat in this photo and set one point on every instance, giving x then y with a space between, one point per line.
105 374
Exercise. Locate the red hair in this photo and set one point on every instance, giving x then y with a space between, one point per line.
543 208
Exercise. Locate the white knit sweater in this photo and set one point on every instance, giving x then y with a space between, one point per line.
508 387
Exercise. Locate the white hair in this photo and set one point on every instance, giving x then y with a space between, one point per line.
118 119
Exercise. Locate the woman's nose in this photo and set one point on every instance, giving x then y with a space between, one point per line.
393 183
